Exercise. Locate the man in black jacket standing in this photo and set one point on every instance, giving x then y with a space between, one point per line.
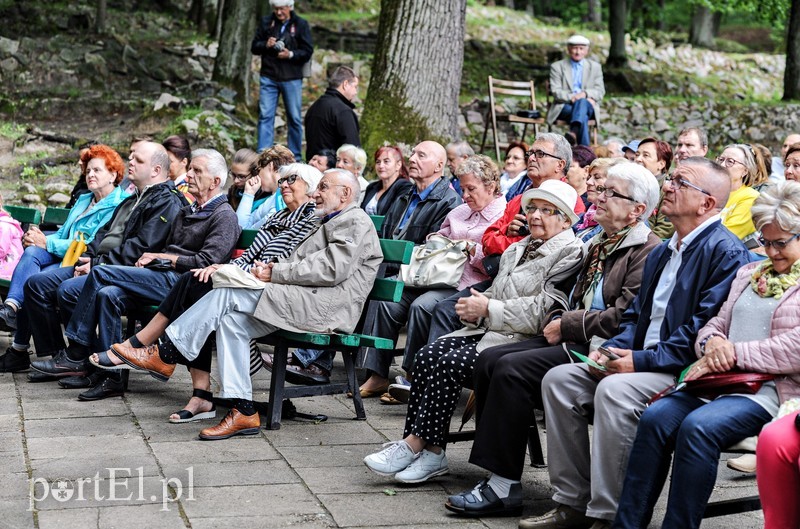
283 40
331 122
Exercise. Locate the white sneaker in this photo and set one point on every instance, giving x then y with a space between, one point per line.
428 465
394 457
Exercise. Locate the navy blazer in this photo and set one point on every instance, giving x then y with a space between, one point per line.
707 270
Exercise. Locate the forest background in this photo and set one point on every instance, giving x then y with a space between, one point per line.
107 71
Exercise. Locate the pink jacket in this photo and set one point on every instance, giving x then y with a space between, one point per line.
10 244
778 354
461 224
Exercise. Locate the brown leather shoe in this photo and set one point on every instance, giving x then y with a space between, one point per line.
234 423
145 359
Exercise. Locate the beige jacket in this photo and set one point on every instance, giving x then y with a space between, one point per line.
322 286
561 86
521 296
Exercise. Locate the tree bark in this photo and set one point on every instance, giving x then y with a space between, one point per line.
100 19
595 12
701 32
617 15
232 65
416 73
791 75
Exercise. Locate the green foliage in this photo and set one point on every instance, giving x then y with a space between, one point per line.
387 119
12 131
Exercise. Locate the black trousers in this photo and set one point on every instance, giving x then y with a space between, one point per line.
508 387
185 293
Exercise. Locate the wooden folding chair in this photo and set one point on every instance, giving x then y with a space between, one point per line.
519 89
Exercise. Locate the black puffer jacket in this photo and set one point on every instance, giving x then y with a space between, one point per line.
330 123
146 229
296 35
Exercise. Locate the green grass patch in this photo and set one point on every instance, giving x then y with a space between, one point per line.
12 131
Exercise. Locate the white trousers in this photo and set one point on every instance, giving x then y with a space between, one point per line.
229 312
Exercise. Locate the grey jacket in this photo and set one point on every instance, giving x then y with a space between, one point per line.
521 295
561 86
322 286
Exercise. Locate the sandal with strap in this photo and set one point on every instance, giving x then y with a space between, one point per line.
187 416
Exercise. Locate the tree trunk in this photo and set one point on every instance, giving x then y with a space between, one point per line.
219 19
232 65
196 14
100 19
701 32
595 12
617 15
416 73
791 76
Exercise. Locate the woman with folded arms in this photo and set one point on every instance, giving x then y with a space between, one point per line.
276 238
756 330
528 285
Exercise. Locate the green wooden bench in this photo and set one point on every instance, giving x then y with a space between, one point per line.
377 220
25 215
348 344
55 216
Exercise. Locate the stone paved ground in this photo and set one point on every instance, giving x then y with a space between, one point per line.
304 475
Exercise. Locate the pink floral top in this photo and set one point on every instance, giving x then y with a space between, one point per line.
465 224
10 244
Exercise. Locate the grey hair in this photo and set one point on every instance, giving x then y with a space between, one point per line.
562 146
359 156
778 204
605 163
350 180
484 170
642 185
245 156
215 164
703 135
615 139
310 175
749 161
461 148
340 75
282 3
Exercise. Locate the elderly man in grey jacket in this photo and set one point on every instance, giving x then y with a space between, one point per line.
321 287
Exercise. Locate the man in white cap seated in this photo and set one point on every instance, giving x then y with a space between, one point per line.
577 87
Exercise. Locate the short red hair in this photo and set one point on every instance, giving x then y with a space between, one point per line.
109 156
398 153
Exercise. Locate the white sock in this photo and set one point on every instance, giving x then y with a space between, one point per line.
501 486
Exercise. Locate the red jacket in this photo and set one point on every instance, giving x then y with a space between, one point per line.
495 240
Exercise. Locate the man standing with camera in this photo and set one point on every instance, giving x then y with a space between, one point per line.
283 40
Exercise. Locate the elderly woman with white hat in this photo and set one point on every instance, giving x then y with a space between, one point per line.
528 285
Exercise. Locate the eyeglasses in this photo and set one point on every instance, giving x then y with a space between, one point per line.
238 176
539 154
610 193
324 186
680 183
778 245
728 162
288 180
547 212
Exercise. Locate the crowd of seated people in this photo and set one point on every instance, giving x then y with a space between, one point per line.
595 288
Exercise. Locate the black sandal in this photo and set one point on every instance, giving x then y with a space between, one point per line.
104 362
187 416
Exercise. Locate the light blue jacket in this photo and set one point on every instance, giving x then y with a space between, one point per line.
89 224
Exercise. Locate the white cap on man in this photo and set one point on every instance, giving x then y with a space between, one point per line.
577 40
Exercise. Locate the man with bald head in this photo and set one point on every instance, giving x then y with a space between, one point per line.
319 288
686 279
140 224
422 210
777 162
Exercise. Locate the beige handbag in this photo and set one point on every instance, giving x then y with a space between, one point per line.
439 263
231 276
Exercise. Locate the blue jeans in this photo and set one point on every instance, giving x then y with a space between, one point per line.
578 115
292 92
105 297
50 298
323 358
33 261
696 432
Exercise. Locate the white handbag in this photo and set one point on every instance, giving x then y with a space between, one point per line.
439 263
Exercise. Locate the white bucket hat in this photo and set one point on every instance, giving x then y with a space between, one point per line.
560 194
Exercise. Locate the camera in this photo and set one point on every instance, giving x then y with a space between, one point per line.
279 46
524 230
